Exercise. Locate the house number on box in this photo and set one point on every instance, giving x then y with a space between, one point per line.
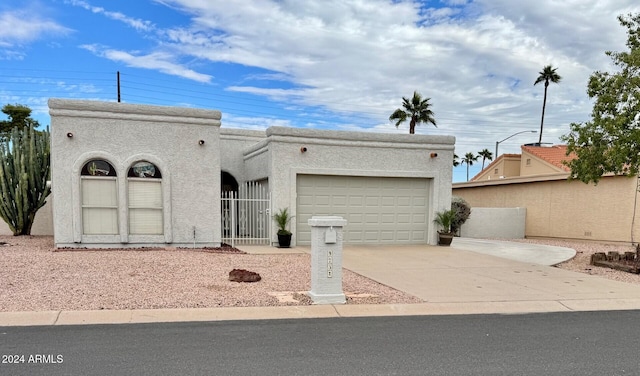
329 264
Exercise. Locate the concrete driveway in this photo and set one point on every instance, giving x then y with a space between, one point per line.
451 277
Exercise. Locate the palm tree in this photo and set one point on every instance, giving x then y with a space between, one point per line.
416 109
469 158
548 74
456 160
485 154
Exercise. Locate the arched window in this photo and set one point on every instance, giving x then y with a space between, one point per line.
145 199
99 198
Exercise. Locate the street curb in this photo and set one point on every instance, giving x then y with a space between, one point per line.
61 318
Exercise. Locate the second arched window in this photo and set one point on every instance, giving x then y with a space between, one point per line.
145 199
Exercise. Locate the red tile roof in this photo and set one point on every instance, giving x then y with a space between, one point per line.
553 155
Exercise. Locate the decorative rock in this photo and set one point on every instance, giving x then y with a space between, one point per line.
241 275
598 256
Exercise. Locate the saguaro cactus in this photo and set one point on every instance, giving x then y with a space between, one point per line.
24 171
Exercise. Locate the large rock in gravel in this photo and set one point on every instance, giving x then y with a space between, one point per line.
241 275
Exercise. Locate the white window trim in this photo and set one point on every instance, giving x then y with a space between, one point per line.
122 169
167 237
76 198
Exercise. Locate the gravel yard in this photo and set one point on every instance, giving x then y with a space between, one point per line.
584 250
34 277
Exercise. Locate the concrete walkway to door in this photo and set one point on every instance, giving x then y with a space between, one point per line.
457 280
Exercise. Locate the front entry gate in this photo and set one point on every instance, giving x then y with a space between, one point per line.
246 215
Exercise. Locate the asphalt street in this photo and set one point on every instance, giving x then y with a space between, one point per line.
575 343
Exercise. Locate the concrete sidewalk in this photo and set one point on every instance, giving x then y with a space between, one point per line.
451 280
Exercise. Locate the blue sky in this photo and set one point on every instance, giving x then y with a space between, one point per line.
324 64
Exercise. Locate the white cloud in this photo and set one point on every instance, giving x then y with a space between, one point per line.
253 123
21 27
135 23
160 61
476 60
355 59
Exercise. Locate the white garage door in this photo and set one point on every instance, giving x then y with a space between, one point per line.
378 209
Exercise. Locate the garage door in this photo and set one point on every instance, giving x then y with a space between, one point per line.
378 209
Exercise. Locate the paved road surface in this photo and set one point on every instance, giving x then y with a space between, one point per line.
581 343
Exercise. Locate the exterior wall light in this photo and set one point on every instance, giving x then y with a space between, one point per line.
70 135
303 149
434 155
201 142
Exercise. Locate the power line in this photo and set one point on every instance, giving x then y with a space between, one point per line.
235 105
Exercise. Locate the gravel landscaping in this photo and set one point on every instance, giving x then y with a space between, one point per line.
584 250
34 277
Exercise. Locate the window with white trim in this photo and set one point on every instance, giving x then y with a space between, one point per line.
145 199
99 191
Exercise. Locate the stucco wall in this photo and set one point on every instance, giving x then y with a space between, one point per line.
257 161
559 208
507 165
42 225
511 167
233 142
535 166
488 223
123 134
355 154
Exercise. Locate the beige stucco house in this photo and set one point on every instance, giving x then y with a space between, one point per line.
128 175
556 207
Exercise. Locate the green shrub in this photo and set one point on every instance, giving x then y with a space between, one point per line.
462 211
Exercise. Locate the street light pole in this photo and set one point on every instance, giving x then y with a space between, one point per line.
515 134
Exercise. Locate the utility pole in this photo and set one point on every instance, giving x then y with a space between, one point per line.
118 75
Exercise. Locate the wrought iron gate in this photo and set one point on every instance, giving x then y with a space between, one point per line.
246 215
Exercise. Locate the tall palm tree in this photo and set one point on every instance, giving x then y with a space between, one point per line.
485 154
416 109
469 158
548 74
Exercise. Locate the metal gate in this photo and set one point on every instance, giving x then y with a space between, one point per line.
246 215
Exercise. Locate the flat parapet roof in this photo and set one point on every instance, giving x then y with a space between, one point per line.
127 111
238 132
360 136
350 138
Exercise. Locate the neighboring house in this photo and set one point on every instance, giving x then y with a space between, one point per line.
534 161
556 207
128 175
